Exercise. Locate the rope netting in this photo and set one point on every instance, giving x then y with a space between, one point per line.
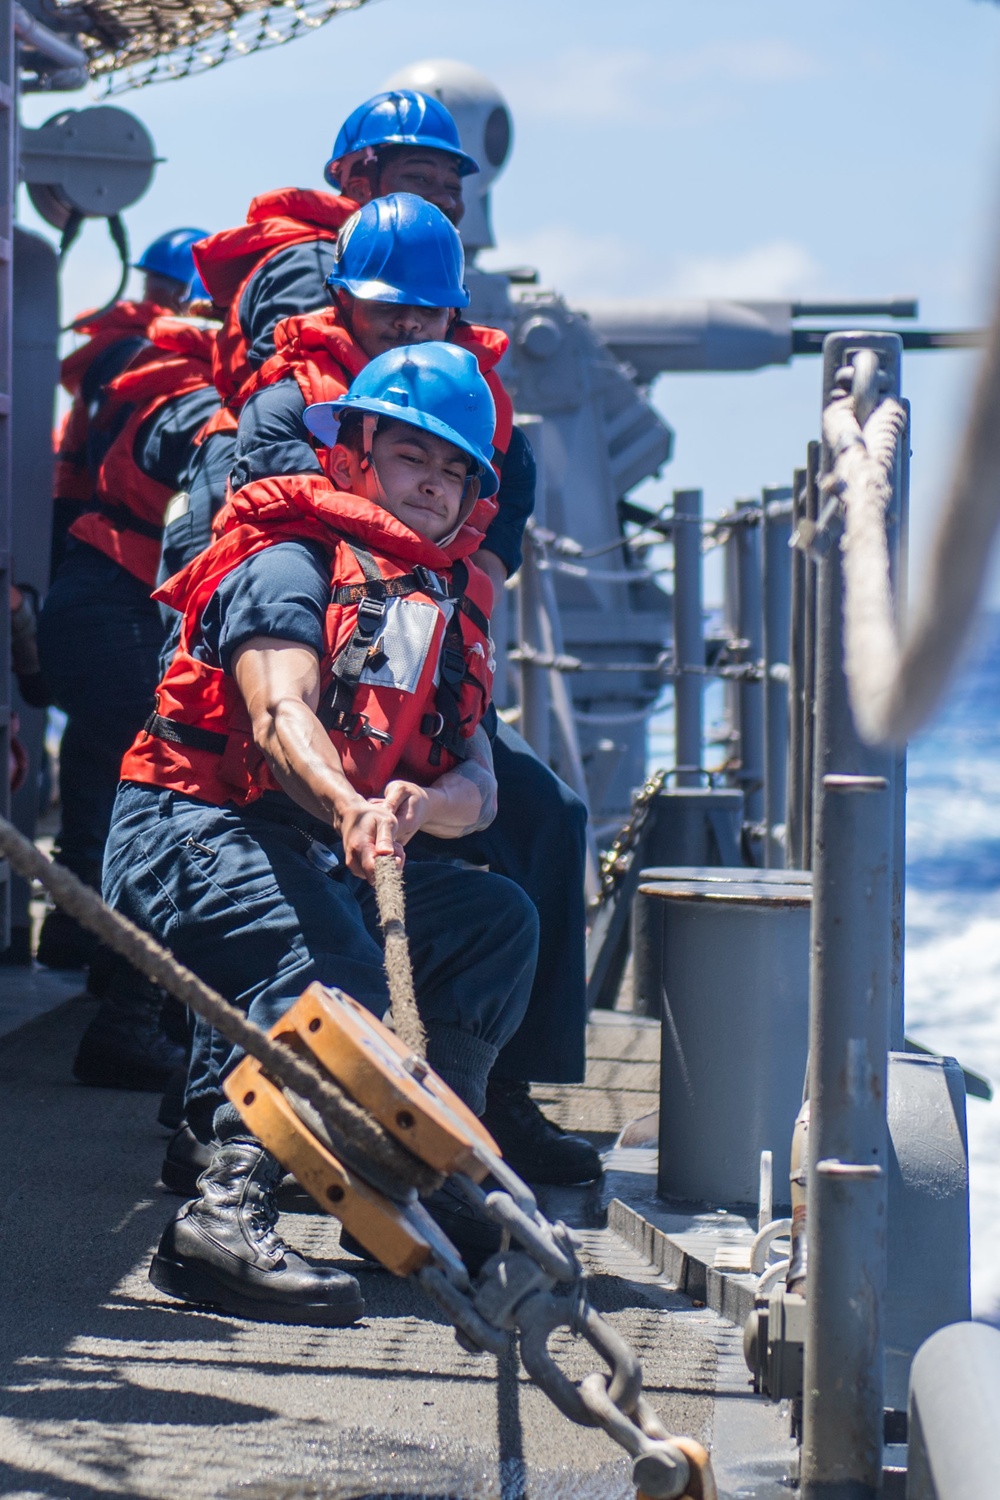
131 43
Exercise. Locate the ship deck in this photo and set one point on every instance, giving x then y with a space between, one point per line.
109 1389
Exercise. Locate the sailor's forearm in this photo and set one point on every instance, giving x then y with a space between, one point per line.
304 761
460 802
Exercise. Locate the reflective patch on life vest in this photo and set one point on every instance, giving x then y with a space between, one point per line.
402 644
178 507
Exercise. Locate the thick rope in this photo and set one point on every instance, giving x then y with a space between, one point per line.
901 701
290 1069
864 464
391 898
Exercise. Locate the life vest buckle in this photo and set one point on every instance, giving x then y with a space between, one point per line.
432 725
429 582
355 726
370 613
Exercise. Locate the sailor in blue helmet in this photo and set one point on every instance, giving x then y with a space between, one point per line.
99 632
276 265
305 725
170 276
398 279
401 142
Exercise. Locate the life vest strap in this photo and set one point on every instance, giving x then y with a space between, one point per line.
123 519
185 734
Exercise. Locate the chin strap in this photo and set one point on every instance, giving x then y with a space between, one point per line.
373 485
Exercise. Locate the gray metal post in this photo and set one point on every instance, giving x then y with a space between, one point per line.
897 1019
533 687
848 1045
535 722
8 189
750 625
777 575
796 701
809 662
689 640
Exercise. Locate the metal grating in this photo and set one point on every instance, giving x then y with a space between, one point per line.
131 43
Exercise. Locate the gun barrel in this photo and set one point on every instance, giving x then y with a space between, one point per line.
895 307
683 336
810 340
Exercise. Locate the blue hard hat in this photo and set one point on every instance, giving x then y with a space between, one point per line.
399 117
170 255
401 249
436 387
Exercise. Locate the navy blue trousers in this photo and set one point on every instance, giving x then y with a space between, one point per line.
99 639
538 840
237 895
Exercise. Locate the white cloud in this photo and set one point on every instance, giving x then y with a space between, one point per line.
583 264
630 85
778 269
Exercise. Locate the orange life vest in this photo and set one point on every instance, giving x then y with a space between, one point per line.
228 260
73 477
324 358
126 522
406 672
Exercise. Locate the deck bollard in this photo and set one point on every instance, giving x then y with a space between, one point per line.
733 970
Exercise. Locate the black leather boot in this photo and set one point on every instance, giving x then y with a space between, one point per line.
186 1157
184 1161
537 1149
222 1250
63 943
125 1046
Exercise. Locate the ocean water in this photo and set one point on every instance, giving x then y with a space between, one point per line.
952 976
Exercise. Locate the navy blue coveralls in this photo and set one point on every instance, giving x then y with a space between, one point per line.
251 899
539 836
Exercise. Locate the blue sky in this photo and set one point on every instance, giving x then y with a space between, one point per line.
661 148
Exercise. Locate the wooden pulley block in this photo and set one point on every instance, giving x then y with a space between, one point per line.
385 1078
402 1236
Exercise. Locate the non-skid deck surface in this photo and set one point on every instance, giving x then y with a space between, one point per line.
106 1388
623 1076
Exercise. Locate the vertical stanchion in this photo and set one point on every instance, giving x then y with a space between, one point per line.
809 660
689 639
796 700
777 581
848 1043
535 722
8 189
730 622
750 625
900 554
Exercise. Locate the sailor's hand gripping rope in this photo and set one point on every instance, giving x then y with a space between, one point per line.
353 1110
